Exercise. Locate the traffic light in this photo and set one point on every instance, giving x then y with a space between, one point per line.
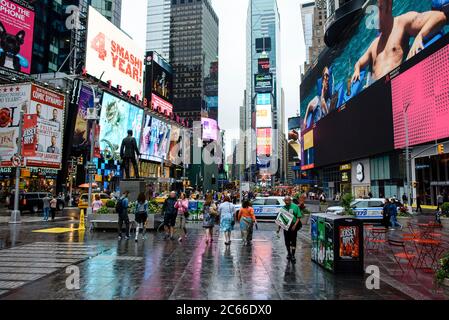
415 184
80 161
440 149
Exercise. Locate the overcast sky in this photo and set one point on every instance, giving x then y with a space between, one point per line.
232 55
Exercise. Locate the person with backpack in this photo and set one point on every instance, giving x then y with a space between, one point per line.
182 205
122 210
170 213
141 215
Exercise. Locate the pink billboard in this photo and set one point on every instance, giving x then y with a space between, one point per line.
423 92
210 129
16 35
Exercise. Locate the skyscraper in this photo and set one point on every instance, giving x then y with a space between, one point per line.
158 27
193 55
111 9
307 26
263 21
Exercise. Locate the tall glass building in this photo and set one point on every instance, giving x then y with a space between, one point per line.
263 21
158 27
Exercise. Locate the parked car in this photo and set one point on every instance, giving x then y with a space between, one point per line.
369 209
33 202
266 207
83 201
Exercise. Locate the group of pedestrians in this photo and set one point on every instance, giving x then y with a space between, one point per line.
49 205
176 210
390 214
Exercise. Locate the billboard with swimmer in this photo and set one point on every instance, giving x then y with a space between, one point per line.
387 34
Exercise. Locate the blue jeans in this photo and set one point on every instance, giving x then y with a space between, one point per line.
394 221
46 213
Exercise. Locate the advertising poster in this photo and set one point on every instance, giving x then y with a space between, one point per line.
48 106
16 31
155 140
117 117
82 129
160 104
349 242
264 116
264 142
12 100
97 149
263 83
329 256
284 219
348 68
112 55
162 84
314 237
29 135
175 144
321 240
210 129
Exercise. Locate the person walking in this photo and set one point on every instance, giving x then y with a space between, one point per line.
209 215
247 221
122 211
393 213
53 205
386 214
97 204
291 235
226 210
170 212
418 204
182 205
46 206
141 215
440 201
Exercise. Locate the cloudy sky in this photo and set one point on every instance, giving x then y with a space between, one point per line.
232 55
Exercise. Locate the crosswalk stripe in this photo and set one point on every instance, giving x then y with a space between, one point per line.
11 284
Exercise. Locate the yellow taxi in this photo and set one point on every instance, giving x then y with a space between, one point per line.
161 199
83 202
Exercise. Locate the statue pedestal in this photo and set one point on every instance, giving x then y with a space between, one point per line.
134 186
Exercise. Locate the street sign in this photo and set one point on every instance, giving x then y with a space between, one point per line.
92 171
16 161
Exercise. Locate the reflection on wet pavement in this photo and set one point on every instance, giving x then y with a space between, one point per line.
159 269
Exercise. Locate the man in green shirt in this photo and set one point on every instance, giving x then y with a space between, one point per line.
291 235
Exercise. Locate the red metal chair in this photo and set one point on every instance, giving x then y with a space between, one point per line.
377 240
401 253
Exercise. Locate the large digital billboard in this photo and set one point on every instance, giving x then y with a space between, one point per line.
82 127
421 94
264 142
47 110
117 117
210 129
386 35
264 117
155 139
16 35
158 83
263 83
111 55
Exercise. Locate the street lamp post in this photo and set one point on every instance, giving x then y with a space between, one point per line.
15 214
407 152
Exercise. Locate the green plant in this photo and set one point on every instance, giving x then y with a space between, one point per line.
445 208
346 201
305 211
103 210
443 269
111 204
132 206
153 207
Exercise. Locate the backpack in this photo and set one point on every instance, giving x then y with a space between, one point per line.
119 206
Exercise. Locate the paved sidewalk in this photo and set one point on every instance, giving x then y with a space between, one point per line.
158 269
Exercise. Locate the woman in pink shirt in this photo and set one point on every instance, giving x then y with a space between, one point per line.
97 204
183 209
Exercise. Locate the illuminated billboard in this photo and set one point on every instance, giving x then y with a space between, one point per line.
359 60
210 129
111 55
422 94
16 34
263 83
82 126
264 117
264 142
155 139
117 117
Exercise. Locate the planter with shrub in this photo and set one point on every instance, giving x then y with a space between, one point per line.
346 201
442 274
